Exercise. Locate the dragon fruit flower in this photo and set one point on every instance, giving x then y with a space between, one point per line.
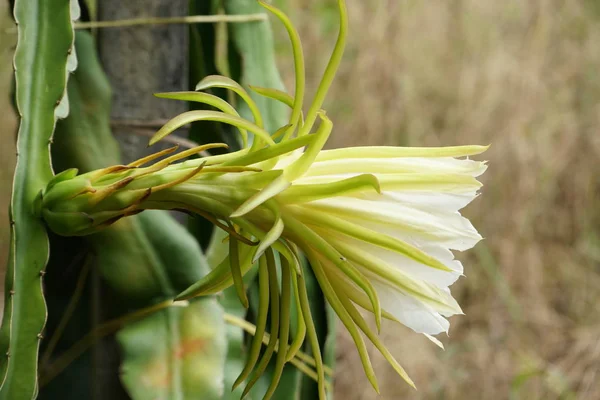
377 224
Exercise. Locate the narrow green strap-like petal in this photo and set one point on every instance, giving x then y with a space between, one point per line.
270 152
286 99
218 287
147 159
291 254
223 158
330 71
274 94
252 229
302 361
211 100
236 271
284 328
217 116
285 131
261 322
298 62
344 317
272 162
396 152
359 297
301 165
218 81
300 323
281 131
219 273
439 299
360 322
311 192
218 279
275 313
270 191
312 336
319 244
274 233
191 152
270 238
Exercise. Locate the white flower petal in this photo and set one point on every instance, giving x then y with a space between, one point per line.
435 341
373 268
410 311
424 200
446 165
289 158
449 229
437 277
399 151
429 183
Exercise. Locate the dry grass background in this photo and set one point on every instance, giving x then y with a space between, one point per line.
524 76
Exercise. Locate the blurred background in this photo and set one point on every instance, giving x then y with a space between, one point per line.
522 76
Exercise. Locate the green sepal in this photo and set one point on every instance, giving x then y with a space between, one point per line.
62 176
219 81
303 193
65 223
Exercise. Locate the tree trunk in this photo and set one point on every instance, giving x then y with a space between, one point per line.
138 61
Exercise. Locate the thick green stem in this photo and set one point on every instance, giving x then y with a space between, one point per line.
43 60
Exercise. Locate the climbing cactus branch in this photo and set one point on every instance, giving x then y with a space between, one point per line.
43 59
